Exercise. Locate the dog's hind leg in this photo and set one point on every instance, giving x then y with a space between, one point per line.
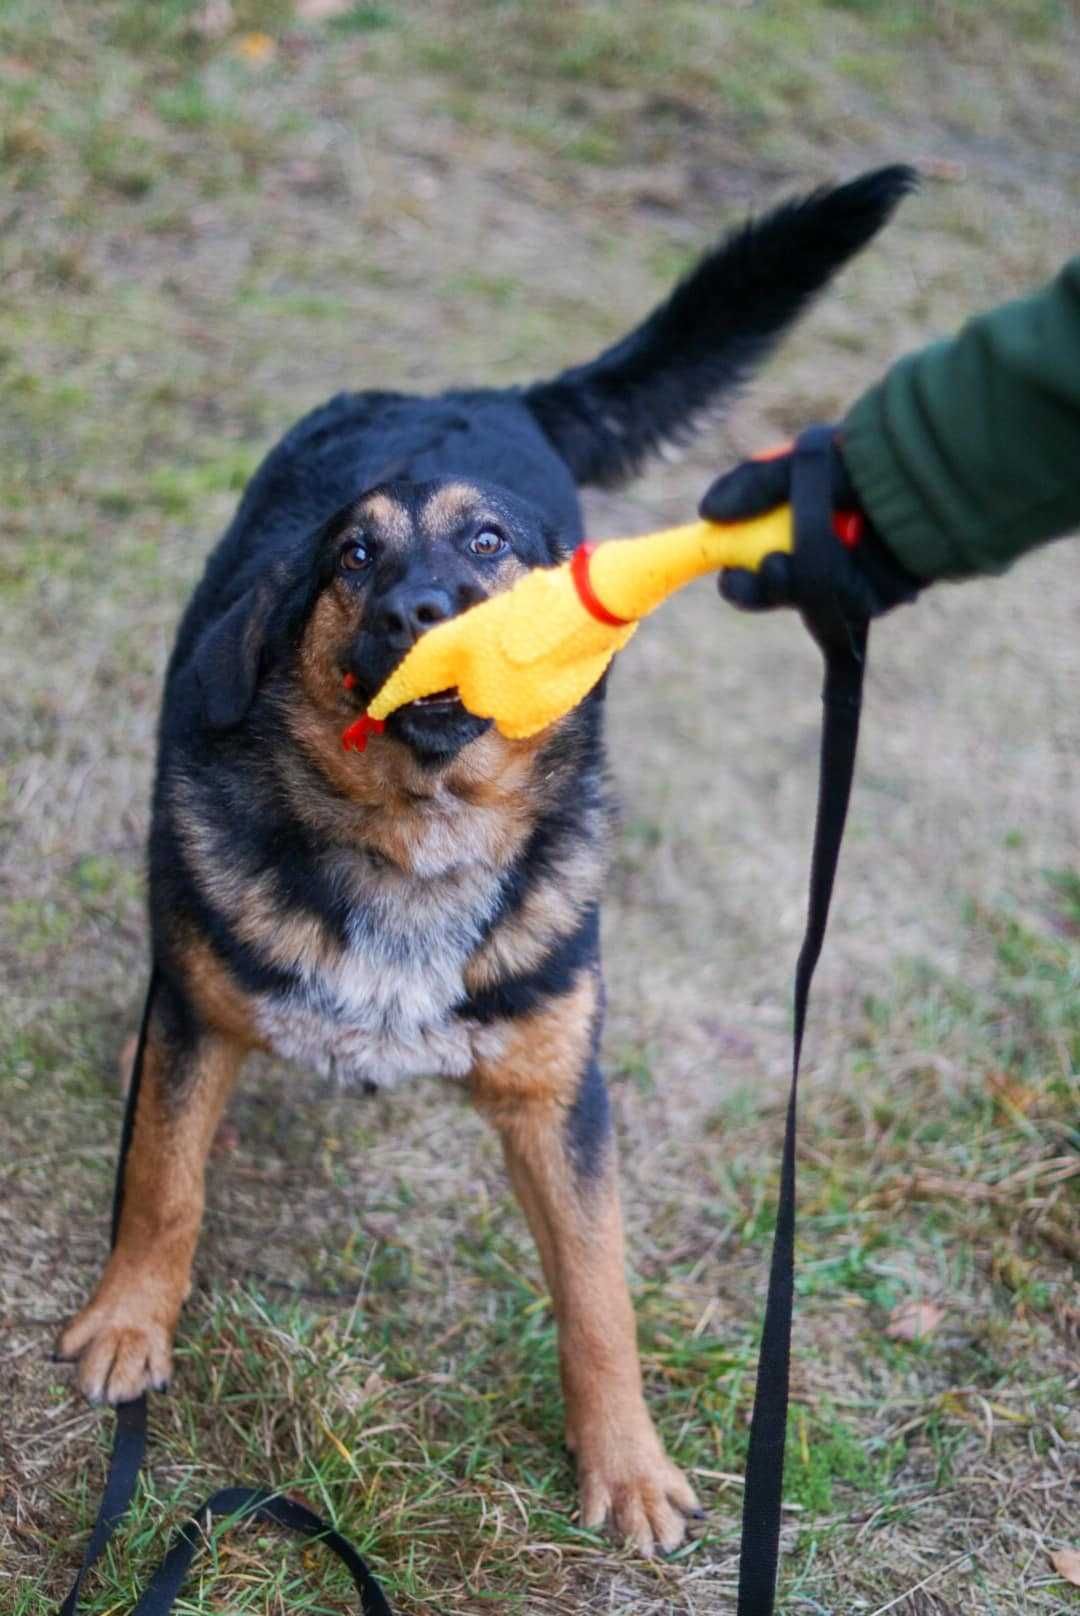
123 1337
544 1095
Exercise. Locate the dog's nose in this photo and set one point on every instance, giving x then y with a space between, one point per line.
410 610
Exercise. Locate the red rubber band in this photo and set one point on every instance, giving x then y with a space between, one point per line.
849 527
579 572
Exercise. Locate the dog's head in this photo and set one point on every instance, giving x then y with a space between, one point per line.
391 564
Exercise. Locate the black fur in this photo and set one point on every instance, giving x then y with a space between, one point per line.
343 447
520 995
588 1121
601 419
605 417
431 907
224 748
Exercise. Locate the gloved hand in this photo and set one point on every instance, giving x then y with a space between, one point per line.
844 566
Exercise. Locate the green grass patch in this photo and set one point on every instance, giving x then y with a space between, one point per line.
180 490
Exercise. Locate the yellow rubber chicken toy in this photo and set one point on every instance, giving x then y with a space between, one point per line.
526 657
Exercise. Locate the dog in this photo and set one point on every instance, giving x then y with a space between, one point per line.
432 906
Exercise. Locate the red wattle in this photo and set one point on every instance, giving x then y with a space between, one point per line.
355 738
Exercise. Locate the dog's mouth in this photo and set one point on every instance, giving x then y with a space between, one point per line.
438 698
436 727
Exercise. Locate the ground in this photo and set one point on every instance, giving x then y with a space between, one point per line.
217 214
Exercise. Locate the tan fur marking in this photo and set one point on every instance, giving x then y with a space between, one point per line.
448 507
386 517
551 909
287 940
123 1337
542 1058
221 1003
478 810
444 513
334 621
624 1474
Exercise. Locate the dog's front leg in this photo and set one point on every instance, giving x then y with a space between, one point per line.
545 1096
123 1337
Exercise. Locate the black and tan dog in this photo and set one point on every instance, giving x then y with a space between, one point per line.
429 907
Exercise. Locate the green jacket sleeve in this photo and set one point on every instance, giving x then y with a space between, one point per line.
967 453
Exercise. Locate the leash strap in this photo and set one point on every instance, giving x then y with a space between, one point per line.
129 1437
843 646
129 1448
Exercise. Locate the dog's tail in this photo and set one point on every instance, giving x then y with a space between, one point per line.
720 321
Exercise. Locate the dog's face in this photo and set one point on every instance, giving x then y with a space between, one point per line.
402 558
393 563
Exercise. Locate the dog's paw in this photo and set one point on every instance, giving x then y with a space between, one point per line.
627 1481
122 1348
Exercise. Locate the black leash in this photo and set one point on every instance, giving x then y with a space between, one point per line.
843 646
129 1448
129 1437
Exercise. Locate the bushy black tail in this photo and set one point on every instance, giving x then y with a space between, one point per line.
606 416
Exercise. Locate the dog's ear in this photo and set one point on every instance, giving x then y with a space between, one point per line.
228 658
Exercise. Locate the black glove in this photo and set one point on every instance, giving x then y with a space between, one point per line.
843 566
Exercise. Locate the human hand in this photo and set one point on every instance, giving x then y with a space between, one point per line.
839 563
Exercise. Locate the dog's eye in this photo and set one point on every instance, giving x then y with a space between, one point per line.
356 555
488 542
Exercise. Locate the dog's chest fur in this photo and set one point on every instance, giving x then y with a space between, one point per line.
386 1008
373 994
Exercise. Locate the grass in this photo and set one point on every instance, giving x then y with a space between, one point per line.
410 1388
202 240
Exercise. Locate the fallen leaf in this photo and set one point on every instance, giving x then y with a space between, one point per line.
912 1321
1066 1562
352 1396
1011 1095
255 48
302 1499
374 1384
